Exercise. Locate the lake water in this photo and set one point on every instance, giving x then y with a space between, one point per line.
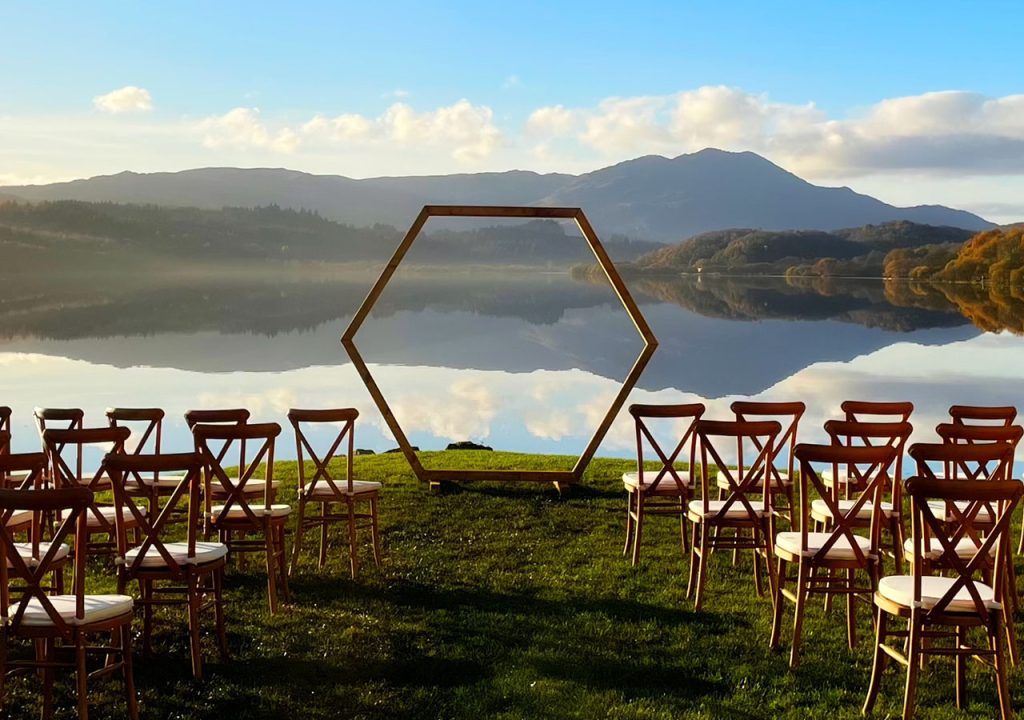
519 360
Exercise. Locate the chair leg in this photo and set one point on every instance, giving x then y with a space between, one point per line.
702 568
682 526
375 531
629 524
353 554
691 585
756 562
147 616
638 527
127 668
878 663
896 530
324 511
195 642
794 521
300 528
81 677
780 582
218 608
913 667
803 573
961 669
268 536
282 560
996 642
851 609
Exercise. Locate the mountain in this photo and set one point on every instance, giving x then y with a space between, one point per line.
649 198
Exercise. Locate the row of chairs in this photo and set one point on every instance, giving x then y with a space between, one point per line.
838 500
131 503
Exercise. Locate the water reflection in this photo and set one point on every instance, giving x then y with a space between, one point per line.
523 361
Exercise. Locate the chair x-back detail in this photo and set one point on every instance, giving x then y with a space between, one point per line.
788 415
324 487
57 418
167 570
146 425
828 562
937 607
62 622
99 517
870 411
667 490
241 514
739 511
239 450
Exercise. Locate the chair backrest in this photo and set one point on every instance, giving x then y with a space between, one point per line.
1006 437
61 418
983 414
754 444
26 470
152 522
146 425
874 411
343 420
73 502
990 552
854 433
221 416
66 451
644 417
213 443
5 442
788 415
5 425
870 465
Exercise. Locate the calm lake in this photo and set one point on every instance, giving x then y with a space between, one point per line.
522 360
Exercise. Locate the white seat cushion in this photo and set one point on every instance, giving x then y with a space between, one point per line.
821 511
939 507
205 552
237 513
829 479
25 551
323 490
842 549
253 486
164 480
20 517
724 484
666 486
965 548
109 513
900 589
97 609
736 511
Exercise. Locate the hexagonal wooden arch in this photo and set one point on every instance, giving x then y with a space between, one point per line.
560 478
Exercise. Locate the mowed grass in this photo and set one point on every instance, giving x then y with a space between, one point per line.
504 601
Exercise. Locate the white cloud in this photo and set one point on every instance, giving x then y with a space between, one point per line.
242 127
554 119
124 100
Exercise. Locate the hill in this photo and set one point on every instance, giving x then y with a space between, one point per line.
650 198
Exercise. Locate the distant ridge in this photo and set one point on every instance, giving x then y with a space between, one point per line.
648 198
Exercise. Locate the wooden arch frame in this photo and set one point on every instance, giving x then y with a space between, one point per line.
560 478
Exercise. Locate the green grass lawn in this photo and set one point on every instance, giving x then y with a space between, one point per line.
508 602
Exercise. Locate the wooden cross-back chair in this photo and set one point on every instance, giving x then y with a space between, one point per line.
324 487
56 418
61 624
866 434
239 455
29 469
240 514
937 607
188 572
828 562
753 444
66 450
873 411
667 490
788 415
146 425
987 457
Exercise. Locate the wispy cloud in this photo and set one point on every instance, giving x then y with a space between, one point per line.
124 100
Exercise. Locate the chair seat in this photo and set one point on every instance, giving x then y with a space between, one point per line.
97 609
736 512
820 509
723 483
965 548
939 506
359 487
205 552
253 486
237 513
19 518
25 551
109 513
666 486
842 549
829 478
900 590
167 481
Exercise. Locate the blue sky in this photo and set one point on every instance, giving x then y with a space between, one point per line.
911 101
